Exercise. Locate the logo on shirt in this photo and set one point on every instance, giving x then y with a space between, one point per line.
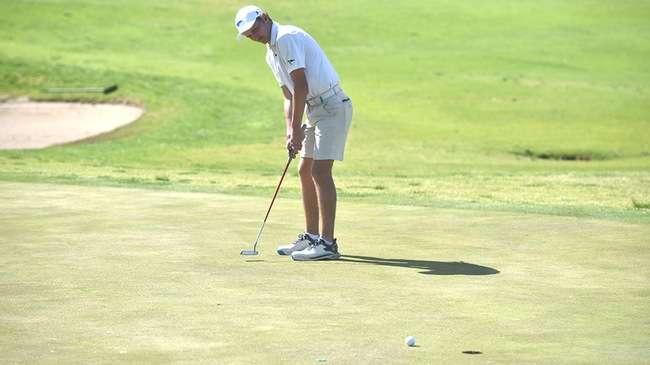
291 61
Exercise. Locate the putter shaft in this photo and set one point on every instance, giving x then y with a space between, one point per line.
277 189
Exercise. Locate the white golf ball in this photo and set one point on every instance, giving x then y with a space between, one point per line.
409 341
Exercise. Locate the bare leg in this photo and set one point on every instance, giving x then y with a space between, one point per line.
309 196
326 190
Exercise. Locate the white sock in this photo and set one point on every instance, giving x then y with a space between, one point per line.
329 243
312 236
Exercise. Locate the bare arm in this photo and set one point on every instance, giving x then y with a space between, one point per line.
297 106
288 111
299 96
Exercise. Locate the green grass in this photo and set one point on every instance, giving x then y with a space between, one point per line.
457 96
107 275
494 195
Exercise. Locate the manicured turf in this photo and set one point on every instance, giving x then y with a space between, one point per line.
107 275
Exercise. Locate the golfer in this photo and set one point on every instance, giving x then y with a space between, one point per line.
306 77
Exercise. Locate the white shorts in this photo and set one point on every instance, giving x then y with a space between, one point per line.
327 128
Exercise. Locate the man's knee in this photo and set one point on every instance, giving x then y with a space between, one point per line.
321 171
305 170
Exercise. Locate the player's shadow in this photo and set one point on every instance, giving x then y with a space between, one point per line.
429 267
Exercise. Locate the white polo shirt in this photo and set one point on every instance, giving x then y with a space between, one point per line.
291 48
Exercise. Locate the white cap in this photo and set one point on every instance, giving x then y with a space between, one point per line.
246 17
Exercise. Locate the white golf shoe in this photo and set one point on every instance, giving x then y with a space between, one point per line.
317 251
300 244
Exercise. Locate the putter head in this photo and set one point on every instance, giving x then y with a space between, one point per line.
248 252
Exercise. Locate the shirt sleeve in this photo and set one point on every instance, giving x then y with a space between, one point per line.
292 52
274 67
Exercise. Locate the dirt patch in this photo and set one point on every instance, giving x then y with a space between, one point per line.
33 125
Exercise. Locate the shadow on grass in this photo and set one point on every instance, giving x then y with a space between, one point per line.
430 267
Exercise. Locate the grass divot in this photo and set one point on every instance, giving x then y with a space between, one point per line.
640 205
565 156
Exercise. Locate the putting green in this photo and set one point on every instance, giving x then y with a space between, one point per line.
108 275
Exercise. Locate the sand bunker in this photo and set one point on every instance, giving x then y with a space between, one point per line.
30 125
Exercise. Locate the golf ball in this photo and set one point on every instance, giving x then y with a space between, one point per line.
409 341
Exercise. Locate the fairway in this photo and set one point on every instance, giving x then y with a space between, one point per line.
105 275
525 106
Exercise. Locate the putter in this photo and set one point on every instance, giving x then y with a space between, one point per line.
254 252
82 90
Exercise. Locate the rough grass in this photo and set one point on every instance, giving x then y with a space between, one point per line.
106 275
447 101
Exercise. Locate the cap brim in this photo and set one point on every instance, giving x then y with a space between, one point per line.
244 27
